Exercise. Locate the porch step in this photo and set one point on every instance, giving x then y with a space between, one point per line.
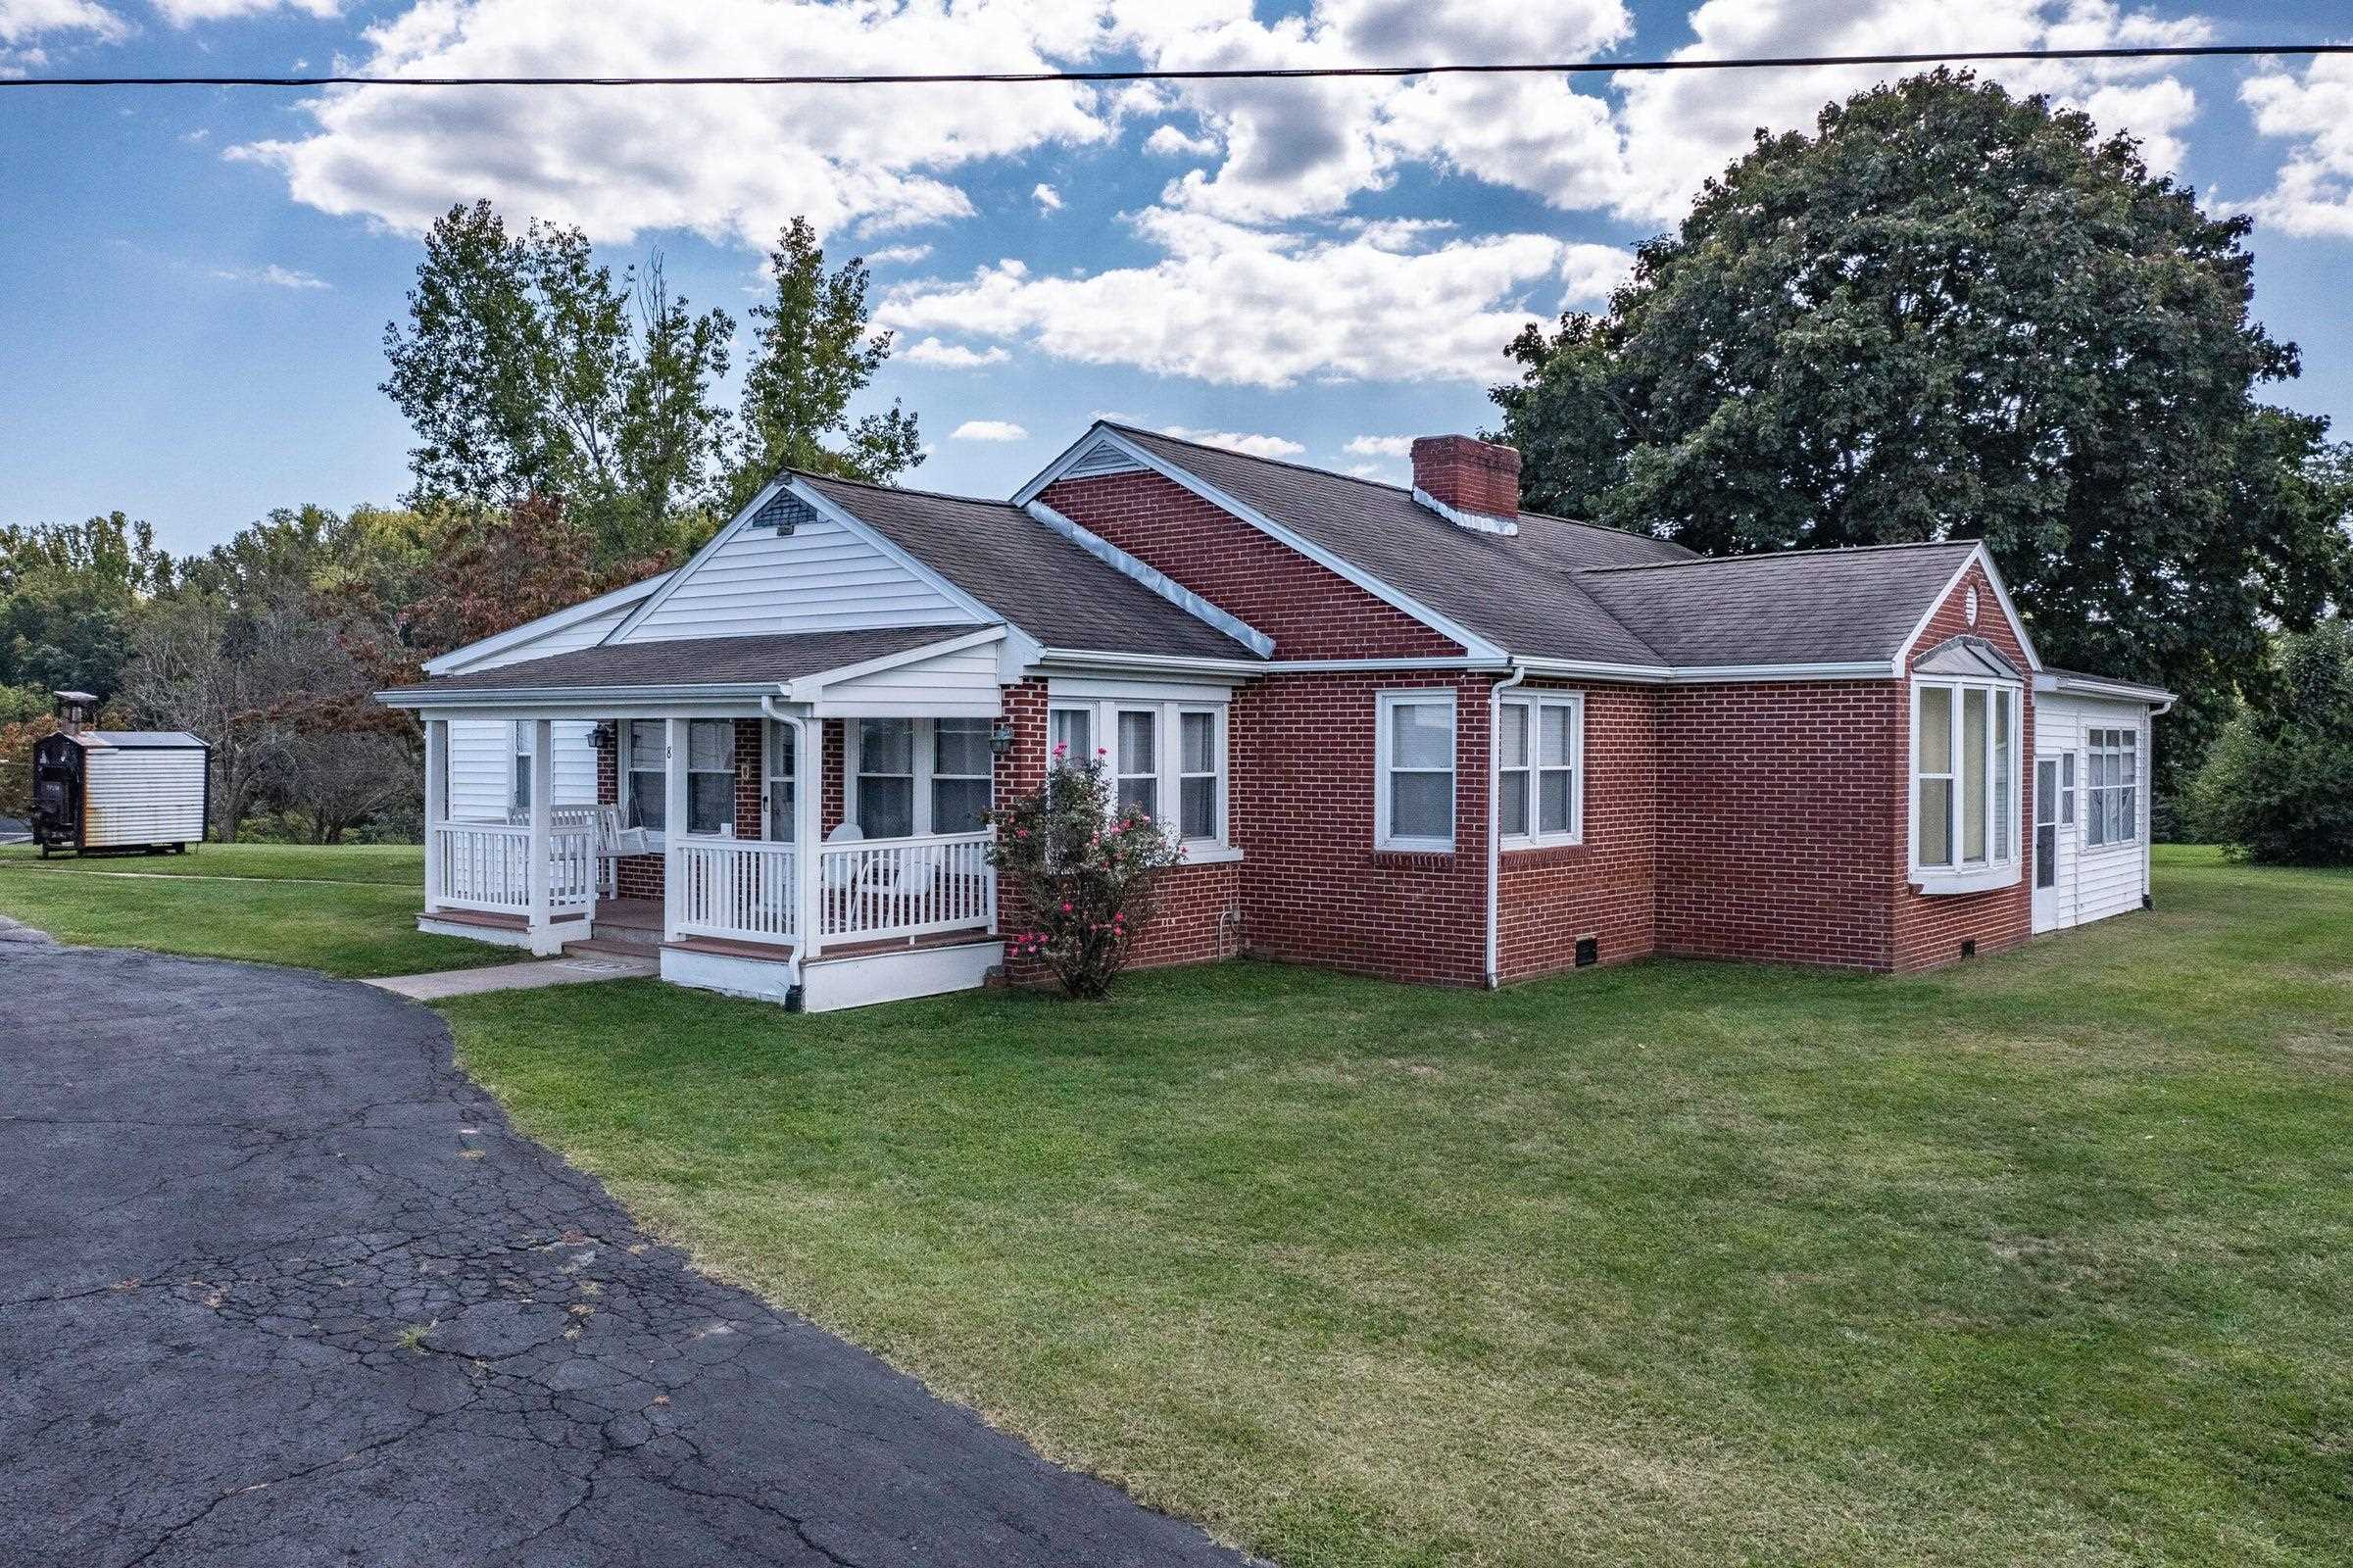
631 920
612 947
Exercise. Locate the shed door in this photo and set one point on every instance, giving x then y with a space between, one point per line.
2047 796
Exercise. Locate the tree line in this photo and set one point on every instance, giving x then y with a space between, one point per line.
569 439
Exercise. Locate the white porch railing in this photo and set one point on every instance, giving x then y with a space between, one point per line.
487 865
745 889
904 887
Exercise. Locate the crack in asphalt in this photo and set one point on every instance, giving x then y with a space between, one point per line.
299 1295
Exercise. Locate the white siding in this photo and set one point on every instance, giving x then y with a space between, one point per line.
2096 882
819 577
481 768
581 634
957 685
140 795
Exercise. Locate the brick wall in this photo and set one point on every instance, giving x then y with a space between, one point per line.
1310 611
1929 928
1313 888
1606 887
1773 802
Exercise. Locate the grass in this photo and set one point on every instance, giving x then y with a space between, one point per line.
2048 1257
347 910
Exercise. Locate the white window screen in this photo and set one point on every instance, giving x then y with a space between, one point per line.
1419 792
886 777
959 775
1139 760
641 761
710 776
1196 776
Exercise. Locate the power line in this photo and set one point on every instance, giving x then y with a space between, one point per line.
1570 68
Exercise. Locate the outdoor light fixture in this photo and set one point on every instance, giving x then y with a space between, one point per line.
602 737
1000 739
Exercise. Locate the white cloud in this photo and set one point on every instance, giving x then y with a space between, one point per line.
1237 304
956 355
1256 446
1681 126
186 12
1380 446
988 430
1047 198
271 276
728 163
23 20
898 254
1170 142
2313 192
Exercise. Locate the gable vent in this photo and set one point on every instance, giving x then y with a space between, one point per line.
784 513
1101 459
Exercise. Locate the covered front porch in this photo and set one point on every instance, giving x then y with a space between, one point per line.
822 842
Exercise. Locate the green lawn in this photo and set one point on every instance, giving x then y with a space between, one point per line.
2046 1258
350 909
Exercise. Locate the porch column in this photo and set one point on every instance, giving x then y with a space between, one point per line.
437 805
673 823
808 806
543 923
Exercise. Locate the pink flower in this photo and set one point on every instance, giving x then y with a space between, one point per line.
1065 909
1061 749
1103 751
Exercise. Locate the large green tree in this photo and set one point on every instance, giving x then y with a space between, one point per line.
528 369
66 593
1953 312
812 357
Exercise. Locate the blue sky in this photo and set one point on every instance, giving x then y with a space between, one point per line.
194 283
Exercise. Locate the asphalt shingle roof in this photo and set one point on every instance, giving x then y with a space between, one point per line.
1518 591
692 660
1029 574
1811 606
1561 589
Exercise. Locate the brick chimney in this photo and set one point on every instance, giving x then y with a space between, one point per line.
1473 483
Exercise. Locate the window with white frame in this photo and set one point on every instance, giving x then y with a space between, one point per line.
710 776
783 781
2112 803
1414 767
1965 785
960 771
1196 773
1166 757
1070 736
911 777
519 794
645 795
1541 758
1138 760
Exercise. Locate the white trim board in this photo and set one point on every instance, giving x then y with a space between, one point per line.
530 631
1158 581
1978 556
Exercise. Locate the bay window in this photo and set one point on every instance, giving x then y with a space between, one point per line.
1414 766
1166 755
2112 801
1541 766
1965 786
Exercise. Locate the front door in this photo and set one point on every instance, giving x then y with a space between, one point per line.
2047 843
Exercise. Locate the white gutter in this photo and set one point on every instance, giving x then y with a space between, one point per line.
1494 816
803 874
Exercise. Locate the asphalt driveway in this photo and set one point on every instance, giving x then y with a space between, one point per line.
279 1286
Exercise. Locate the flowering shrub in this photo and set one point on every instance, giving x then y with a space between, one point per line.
1084 869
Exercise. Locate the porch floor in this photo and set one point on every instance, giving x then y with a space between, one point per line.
629 915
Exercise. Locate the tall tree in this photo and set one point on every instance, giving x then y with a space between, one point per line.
527 368
812 357
67 592
1953 312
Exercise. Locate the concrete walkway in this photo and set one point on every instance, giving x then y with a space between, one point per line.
284 1289
569 970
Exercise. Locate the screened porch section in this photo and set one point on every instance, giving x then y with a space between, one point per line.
716 830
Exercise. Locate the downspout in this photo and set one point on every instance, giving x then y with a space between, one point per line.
805 772
1494 816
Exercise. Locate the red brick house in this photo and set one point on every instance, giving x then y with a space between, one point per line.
1419 734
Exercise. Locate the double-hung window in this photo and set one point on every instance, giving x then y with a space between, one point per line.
1198 774
1965 785
1139 763
2112 804
918 776
783 782
1540 765
518 795
1414 769
961 767
1070 735
710 776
